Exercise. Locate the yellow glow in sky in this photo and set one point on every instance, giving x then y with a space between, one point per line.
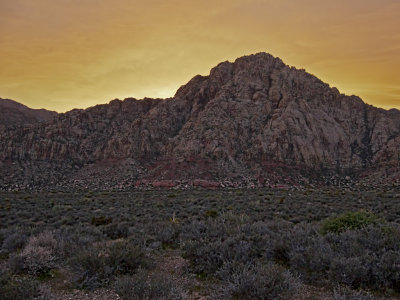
68 54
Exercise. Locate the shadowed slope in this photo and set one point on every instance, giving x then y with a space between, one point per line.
14 114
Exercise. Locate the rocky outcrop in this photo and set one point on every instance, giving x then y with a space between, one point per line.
256 119
16 114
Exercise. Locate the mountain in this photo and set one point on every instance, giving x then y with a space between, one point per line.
13 113
255 120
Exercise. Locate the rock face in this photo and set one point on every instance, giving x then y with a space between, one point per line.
256 119
15 114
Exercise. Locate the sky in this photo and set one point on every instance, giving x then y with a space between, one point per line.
65 54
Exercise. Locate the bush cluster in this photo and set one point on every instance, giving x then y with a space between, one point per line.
18 288
366 257
143 286
349 221
363 258
38 255
240 245
259 281
98 266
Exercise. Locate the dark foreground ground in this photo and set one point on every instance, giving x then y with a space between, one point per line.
201 244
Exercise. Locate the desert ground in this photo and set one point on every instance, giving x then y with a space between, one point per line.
308 243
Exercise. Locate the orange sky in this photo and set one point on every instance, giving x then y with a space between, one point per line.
62 54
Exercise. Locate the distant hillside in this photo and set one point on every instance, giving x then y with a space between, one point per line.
255 120
13 113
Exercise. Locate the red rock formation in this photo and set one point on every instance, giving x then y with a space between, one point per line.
206 184
163 183
254 119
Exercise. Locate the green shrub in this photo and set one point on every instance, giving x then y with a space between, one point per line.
349 221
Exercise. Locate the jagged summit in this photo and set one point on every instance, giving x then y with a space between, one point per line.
252 119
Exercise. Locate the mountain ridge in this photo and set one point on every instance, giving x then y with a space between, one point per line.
255 119
13 113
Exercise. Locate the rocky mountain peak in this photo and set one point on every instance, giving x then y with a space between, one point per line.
254 119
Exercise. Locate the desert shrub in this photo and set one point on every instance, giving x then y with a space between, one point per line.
38 255
387 271
196 230
155 235
167 234
349 221
143 238
4 278
100 220
211 213
267 239
309 254
142 286
125 258
234 219
71 242
345 293
364 258
89 270
44 239
351 271
46 293
207 258
117 230
245 281
16 288
372 255
355 257
228 239
312 262
16 264
14 242
278 240
98 266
